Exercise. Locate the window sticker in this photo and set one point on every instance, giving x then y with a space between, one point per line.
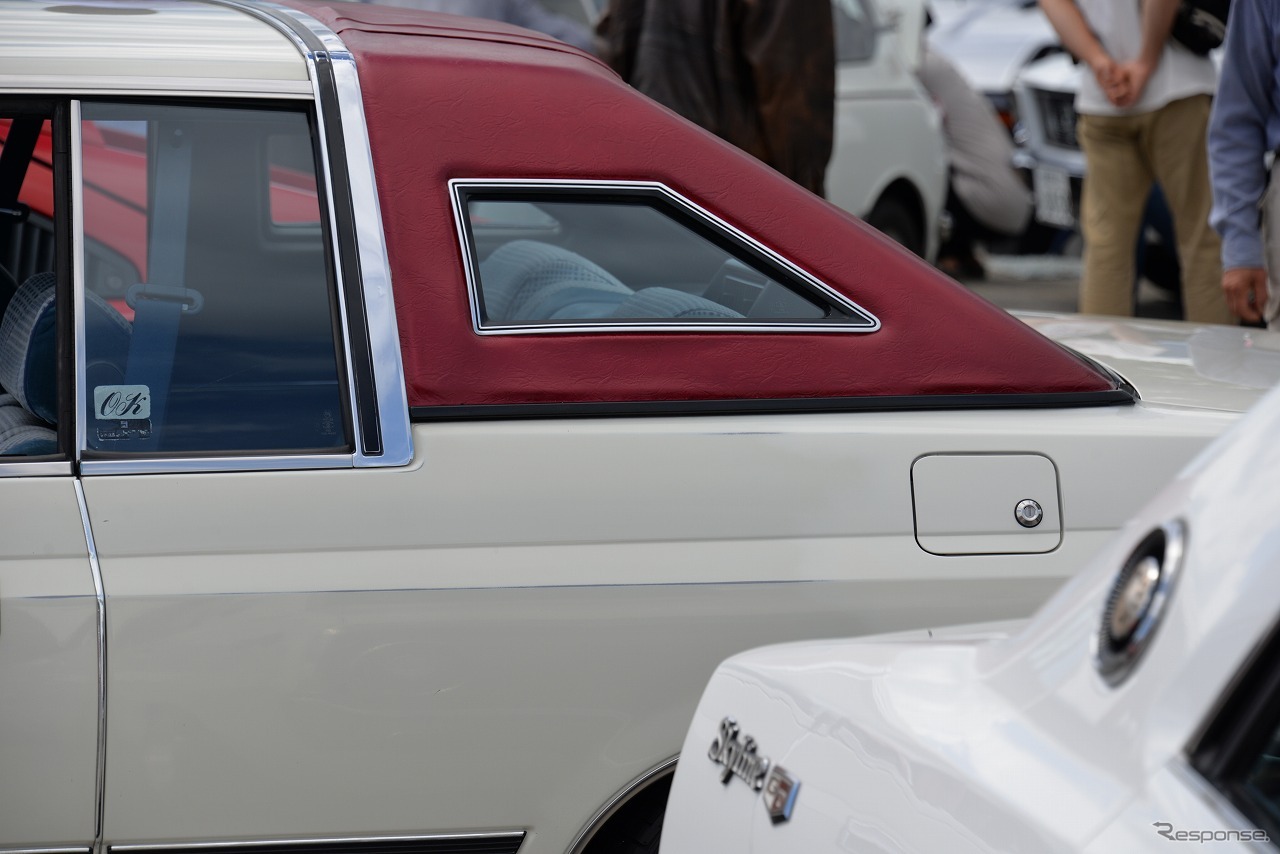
122 412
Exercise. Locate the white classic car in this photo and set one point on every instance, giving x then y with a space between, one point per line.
889 159
402 417
1139 707
991 41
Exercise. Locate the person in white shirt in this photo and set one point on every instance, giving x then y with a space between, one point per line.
1142 118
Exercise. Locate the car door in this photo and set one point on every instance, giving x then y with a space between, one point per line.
50 616
49 647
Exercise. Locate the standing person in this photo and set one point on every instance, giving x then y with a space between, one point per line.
523 13
1244 127
1143 118
758 73
986 198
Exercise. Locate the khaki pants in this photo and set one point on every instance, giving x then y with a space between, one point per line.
1124 155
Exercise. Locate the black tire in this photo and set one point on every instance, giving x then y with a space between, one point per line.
895 220
637 828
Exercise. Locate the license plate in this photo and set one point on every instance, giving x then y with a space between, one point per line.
1053 197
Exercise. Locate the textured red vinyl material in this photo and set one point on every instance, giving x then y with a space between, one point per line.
445 100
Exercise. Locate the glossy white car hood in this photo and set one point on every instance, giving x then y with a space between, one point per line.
1202 366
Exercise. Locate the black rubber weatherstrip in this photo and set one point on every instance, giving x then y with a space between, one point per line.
655 408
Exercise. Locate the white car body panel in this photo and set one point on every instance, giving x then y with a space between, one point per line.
962 503
233 54
1177 364
49 660
998 742
556 561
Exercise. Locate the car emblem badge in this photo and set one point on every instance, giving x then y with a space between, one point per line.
737 757
780 794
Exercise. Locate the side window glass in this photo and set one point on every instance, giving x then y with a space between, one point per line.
209 318
28 329
855 30
617 259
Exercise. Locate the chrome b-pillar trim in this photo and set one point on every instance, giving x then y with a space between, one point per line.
100 593
381 406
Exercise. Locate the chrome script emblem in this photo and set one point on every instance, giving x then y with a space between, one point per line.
738 758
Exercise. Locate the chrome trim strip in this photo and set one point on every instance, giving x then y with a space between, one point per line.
100 592
370 840
152 86
180 465
31 469
80 406
606 812
460 222
375 266
80 850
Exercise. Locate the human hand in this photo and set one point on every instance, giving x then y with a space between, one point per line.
1246 292
1112 78
1135 74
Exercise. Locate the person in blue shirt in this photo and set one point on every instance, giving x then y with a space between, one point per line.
1244 128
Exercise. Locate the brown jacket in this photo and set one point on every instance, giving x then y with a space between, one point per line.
758 73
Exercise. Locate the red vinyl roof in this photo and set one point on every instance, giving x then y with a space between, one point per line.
447 98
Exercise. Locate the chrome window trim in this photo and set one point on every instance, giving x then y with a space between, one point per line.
191 465
83 849
388 371
100 593
375 265
184 87
457 185
337 840
159 462
25 468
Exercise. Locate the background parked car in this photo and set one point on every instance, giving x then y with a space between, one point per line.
991 41
889 162
1140 706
